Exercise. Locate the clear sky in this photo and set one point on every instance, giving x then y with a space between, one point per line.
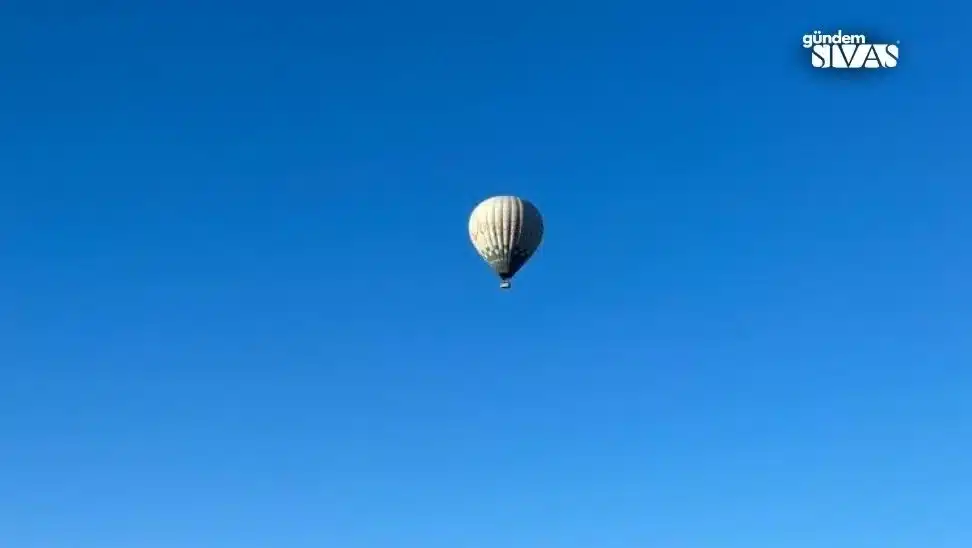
240 308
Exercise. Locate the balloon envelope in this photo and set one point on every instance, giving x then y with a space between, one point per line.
506 231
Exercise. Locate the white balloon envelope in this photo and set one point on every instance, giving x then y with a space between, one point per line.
506 232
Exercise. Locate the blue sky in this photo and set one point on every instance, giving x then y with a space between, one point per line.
240 308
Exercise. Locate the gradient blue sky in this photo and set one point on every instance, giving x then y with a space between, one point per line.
240 308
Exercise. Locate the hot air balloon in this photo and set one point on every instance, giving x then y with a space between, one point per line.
506 231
